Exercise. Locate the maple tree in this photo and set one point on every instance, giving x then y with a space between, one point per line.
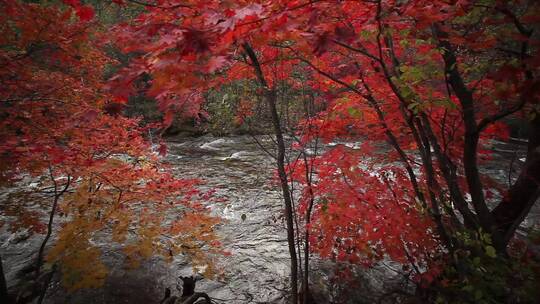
92 166
433 79
425 85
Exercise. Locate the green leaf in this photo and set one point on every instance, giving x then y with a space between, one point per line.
354 112
365 34
324 204
490 251
404 43
447 103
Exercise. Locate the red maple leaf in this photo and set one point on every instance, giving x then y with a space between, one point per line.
85 13
162 150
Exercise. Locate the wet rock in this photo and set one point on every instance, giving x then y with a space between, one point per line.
19 236
217 144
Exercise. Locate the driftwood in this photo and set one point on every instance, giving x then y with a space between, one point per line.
189 296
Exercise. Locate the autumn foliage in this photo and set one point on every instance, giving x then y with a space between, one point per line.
101 173
432 79
424 85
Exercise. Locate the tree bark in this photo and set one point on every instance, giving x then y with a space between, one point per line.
39 260
57 194
470 148
46 283
305 279
524 192
504 219
270 96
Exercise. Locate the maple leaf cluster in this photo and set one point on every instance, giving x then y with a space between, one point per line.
425 85
431 79
59 126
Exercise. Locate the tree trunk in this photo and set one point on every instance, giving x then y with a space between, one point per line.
41 252
502 221
305 279
46 283
524 192
270 96
39 260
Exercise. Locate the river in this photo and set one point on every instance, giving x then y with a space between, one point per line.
253 231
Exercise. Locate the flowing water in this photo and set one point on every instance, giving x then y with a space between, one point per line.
253 231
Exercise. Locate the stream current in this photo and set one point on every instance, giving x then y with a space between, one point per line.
253 230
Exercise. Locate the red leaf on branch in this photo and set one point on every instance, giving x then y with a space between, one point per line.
162 150
85 13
